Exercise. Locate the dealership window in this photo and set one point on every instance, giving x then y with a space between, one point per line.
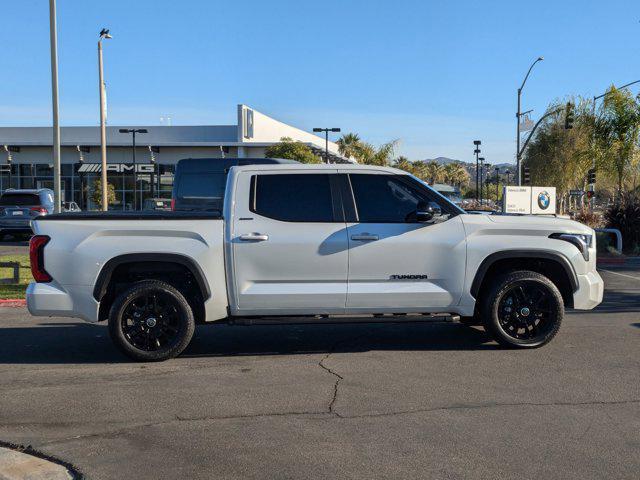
79 187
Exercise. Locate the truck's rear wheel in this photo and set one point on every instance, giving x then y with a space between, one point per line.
523 309
151 321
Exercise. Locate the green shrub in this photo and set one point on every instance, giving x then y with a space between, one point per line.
625 216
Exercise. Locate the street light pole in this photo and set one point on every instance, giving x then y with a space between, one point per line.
53 34
477 152
481 178
518 115
326 140
104 33
133 132
497 183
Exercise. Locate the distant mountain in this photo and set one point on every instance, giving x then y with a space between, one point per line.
470 165
443 160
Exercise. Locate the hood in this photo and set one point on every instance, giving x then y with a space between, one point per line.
522 224
535 222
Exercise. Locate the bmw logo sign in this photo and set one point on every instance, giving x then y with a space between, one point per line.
544 200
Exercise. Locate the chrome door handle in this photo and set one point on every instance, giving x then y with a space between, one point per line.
254 237
366 237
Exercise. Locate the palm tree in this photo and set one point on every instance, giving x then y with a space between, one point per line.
381 156
349 145
434 172
403 163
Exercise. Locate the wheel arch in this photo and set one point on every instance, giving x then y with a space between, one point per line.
104 277
564 272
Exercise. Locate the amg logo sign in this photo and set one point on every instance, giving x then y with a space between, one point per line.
116 168
408 277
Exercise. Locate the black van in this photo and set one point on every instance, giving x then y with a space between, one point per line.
199 183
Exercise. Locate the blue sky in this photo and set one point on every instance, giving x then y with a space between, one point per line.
434 74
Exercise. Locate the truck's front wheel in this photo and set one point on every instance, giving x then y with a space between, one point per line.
151 321
523 309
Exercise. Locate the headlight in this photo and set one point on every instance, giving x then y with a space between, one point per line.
580 240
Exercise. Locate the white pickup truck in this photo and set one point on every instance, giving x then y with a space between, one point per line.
314 241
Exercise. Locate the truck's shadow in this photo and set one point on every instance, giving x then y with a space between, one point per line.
80 343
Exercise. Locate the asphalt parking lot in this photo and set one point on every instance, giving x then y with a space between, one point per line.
420 400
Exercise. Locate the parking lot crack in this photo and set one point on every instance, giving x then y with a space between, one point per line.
336 383
491 405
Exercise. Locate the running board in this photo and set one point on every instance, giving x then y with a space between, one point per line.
342 319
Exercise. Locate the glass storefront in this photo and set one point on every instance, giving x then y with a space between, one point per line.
81 187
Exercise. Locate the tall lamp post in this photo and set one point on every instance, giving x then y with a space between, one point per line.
53 36
326 140
477 152
133 132
481 178
518 115
104 33
497 184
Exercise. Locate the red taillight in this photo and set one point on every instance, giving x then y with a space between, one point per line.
173 204
36 256
40 210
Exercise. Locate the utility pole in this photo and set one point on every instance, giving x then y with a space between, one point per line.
481 179
104 33
133 132
518 115
326 140
477 152
53 34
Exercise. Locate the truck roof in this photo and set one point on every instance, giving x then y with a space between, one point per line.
321 166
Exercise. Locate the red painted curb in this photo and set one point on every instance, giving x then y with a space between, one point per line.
12 302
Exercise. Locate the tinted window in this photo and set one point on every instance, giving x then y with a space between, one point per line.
389 199
293 197
202 185
9 199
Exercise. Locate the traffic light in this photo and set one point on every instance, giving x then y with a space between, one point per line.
591 176
569 116
526 176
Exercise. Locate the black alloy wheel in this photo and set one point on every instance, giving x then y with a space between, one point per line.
523 309
151 321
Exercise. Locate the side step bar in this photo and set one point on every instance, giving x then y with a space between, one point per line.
346 319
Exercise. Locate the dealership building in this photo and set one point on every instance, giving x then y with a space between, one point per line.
26 159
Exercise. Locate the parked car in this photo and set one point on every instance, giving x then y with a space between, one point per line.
19 207
70 207
449 191
161 204
199 183
311 240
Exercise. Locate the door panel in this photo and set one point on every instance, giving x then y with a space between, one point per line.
395 263
434 254
290 253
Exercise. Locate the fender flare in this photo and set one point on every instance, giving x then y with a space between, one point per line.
104 277
542 254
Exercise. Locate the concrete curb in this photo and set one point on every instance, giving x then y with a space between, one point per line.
18 462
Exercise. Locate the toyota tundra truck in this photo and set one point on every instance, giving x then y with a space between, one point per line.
323 242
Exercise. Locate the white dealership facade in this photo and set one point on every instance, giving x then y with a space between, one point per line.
26 159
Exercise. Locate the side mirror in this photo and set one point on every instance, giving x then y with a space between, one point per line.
424 212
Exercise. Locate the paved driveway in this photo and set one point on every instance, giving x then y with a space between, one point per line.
333 401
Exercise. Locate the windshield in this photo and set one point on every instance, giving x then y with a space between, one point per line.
202 185
19 199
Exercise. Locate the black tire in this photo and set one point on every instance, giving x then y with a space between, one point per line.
151 321
523 309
